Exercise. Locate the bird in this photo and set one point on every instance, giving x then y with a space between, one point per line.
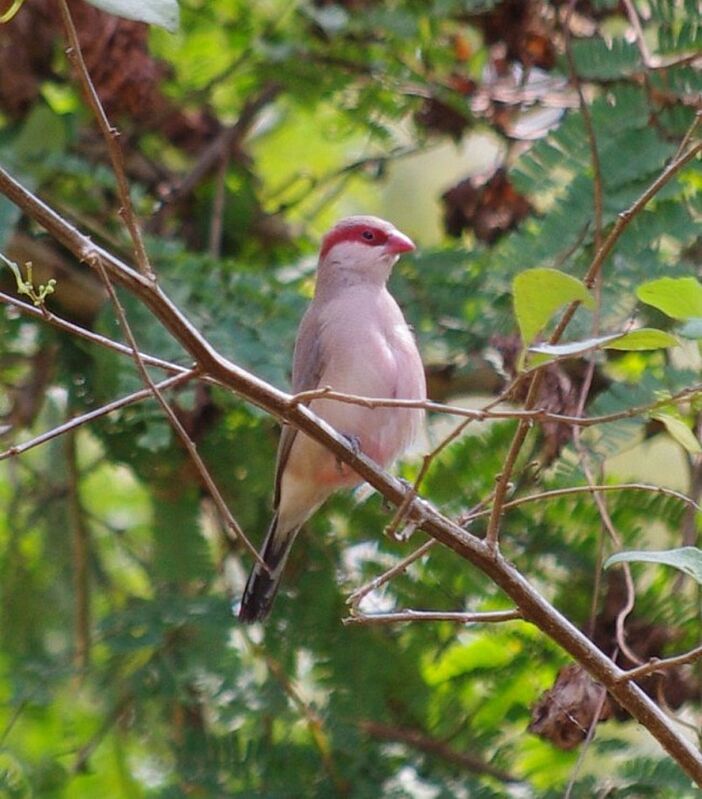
354 339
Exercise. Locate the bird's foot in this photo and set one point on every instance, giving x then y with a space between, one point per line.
355 443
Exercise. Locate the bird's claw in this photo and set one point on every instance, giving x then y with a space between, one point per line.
355 443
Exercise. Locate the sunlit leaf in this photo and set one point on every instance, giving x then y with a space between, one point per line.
677 297
646 338
164 13
572 347
539 293
686 559
643 339
680 432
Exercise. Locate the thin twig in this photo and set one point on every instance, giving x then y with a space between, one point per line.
302 398
103 410
14 718
608 525
587 489
586 743
400 567
85 752
488 412
655 665
401 516
625 217
589 127
651 62
638 31
422 742
111 135
486 617
81 554
600 501
355 598
687 138
315 723
225 142
218 206
76 330
230 523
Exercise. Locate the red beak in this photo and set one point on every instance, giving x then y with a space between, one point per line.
398 243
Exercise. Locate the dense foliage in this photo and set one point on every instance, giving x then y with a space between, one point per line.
123 672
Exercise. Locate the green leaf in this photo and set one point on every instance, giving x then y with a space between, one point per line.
686 559
677 297
646 338
572 347
539 293
680 432
163 13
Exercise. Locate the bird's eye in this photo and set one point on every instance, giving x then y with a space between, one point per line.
368 235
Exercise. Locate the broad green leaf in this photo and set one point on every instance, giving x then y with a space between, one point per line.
680 432
572 347
646 338
539 293
686 559
677 297
163 13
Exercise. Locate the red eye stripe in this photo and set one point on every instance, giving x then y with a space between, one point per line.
353 233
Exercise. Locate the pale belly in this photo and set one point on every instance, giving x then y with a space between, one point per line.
376 369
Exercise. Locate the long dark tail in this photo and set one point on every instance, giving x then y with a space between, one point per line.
262 586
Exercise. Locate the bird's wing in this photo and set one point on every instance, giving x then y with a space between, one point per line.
308 367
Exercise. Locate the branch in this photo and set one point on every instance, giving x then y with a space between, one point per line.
111 136
222 145
355 598
81 555
656 665
651 62
589 127
314 721
625 217
586 489
303 397
487 412
86 751
45 315
230 524
488 560
78 421
485 617
418 740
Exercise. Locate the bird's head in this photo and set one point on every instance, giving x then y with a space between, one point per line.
362 249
